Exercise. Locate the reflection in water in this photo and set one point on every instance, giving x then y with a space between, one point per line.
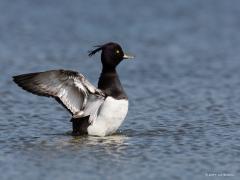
113 145
116 140
61 142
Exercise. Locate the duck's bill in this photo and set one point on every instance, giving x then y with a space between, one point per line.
128 56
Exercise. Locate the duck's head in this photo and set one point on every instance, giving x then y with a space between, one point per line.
112 54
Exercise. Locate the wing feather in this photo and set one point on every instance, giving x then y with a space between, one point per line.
69 88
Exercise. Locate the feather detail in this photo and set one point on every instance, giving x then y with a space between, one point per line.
69 88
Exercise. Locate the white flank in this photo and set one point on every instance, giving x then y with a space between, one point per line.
111 115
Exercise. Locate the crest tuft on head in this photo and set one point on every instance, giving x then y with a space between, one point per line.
92 52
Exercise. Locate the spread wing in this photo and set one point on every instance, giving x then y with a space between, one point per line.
69 88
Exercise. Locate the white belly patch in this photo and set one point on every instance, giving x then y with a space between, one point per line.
110 117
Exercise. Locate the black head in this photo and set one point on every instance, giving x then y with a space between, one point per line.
112 54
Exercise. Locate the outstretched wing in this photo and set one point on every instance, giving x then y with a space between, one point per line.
69 88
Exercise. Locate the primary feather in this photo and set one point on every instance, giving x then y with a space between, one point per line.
69 88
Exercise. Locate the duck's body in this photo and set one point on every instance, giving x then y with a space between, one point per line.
114 108
95 111
110 117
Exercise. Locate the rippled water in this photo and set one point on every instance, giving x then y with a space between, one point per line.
184 89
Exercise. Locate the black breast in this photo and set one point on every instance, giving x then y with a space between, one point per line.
111 85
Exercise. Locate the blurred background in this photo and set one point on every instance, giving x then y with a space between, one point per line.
183 86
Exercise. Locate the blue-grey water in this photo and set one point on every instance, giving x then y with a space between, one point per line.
184 89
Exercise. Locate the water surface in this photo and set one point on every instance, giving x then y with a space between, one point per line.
184 118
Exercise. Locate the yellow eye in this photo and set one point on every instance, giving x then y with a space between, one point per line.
117 51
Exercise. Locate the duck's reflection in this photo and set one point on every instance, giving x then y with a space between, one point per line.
91 146
116 139
67 139
114 144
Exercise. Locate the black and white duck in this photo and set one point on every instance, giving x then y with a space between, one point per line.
95 111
